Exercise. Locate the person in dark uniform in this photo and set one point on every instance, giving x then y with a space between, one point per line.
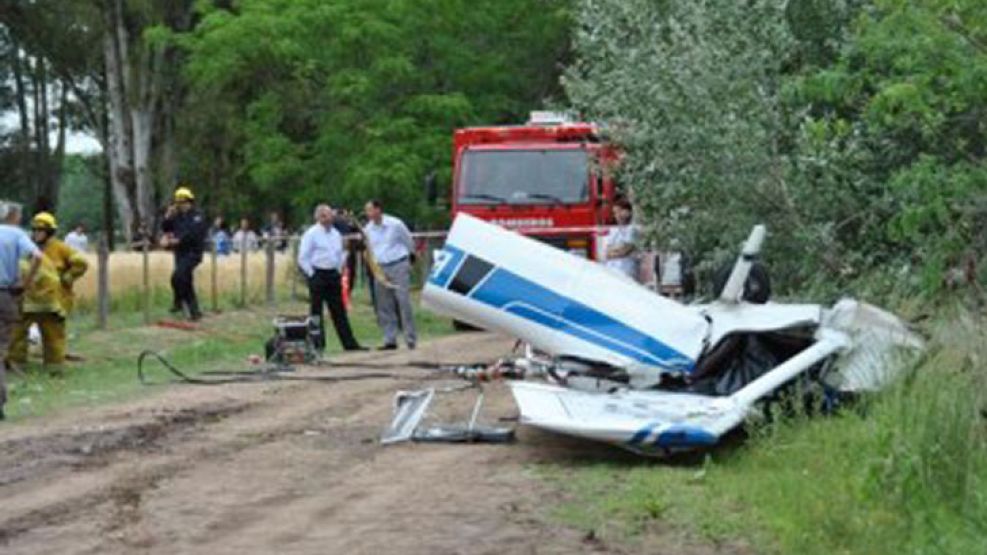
321 257
185 232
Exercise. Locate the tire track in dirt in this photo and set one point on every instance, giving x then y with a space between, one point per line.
77 472
34 456
286 468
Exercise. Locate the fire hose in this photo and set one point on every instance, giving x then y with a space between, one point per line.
470 372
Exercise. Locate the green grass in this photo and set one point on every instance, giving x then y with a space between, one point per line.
906 472
109 372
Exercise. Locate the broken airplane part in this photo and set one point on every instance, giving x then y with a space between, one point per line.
632 368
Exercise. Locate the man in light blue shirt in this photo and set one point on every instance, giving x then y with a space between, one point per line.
14 245
392 246
321 257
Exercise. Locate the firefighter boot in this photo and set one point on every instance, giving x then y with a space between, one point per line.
194 314
53 340
17 353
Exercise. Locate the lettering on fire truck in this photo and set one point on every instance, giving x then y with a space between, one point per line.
523 222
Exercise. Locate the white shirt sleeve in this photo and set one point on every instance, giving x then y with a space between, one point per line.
305 254
404 236
612 239
374 242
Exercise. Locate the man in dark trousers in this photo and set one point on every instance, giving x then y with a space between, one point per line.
185 231
321 257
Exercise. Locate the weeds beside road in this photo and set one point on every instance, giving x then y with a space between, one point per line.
904 472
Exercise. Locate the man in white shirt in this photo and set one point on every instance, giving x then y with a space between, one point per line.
245 238
321 256
621 254
77 238
391 243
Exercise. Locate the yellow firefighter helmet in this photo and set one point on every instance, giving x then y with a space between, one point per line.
184 193
44 220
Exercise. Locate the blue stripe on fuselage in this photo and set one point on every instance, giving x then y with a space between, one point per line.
443 270
517 295
674 436
641 435
685 436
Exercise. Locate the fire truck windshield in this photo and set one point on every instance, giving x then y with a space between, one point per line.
524 177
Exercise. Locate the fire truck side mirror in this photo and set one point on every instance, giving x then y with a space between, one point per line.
431 186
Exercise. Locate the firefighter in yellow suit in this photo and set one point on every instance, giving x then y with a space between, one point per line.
48 299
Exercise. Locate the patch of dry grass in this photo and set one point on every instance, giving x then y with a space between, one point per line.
126 273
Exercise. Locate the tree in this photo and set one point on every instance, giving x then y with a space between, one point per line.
349 100
138 63
43 107
116 75
693 92
80 177
853 129
896 126
250 100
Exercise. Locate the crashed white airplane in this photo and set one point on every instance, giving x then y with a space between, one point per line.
641 371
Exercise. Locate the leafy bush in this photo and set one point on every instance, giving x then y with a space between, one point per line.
853 129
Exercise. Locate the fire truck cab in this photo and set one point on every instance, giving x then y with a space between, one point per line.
549 178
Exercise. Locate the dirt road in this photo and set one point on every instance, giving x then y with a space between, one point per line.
283 468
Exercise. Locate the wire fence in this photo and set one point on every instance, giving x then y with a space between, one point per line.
140 280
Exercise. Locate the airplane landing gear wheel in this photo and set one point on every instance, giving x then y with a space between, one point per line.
757 289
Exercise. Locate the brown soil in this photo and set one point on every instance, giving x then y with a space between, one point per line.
287 467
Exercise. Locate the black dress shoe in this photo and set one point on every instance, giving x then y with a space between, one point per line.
388 347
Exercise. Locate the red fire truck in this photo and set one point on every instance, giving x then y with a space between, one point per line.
549 179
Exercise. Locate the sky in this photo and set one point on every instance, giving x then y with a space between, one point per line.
75 142
80 143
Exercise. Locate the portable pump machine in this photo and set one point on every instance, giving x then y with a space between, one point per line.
292 342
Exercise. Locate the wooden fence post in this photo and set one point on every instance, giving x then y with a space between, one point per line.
102 284
146 281
213 278
269 267
293 249
243 272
